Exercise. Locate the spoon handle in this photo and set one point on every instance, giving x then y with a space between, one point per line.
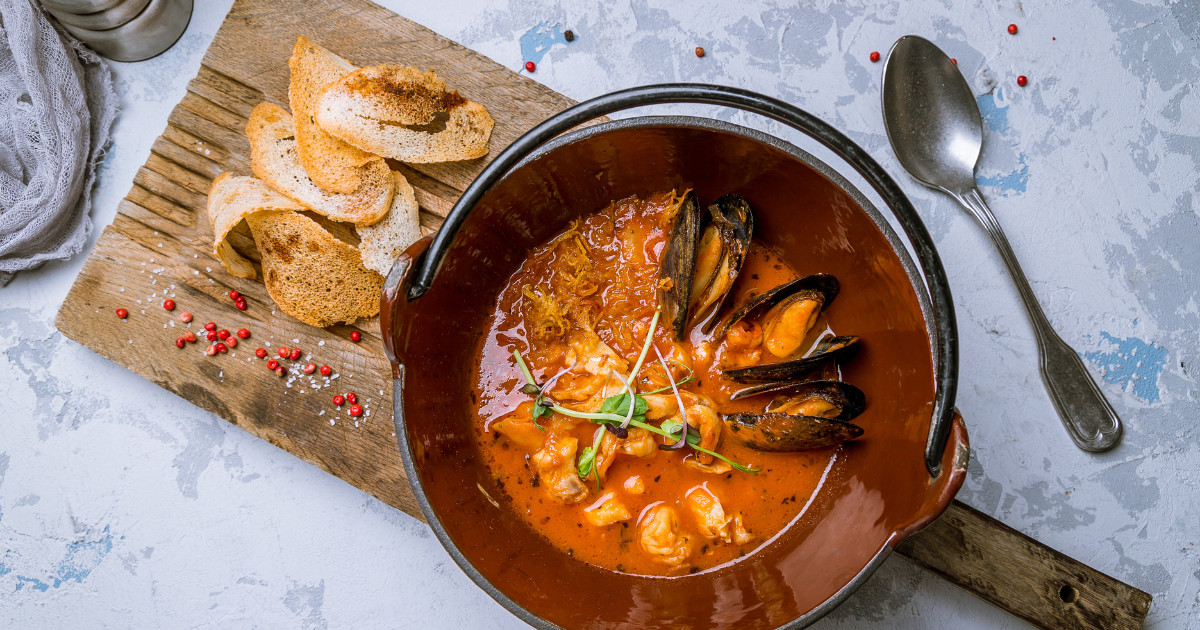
1085 412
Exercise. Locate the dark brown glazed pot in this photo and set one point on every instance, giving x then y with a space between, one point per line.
880 489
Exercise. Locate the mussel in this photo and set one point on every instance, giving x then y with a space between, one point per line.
783 317
816 415
703 257
678 261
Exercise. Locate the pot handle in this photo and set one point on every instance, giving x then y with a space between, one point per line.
946 362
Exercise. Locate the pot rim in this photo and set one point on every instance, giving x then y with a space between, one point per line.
955 449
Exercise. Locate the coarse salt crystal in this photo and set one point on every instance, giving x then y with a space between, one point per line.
332 421
208 269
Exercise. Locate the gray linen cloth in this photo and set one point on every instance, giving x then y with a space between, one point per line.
56 107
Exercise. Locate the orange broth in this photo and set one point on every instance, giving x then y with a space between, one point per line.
623 242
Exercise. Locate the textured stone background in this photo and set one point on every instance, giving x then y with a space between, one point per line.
122 505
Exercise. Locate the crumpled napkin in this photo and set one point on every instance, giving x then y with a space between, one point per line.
56 107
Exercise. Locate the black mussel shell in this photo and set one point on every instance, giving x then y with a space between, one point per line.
825 284
734 219
796 368
782 432
849 398
678 263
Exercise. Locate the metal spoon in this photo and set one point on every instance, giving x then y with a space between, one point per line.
935 129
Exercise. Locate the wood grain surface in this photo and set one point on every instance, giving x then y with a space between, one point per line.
1022 576
159 246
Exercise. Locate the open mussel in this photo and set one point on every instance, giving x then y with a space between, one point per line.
719 255
768 331
702 259
816 415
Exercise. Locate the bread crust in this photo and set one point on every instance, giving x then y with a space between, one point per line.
331 163
310 274
274 159
404 114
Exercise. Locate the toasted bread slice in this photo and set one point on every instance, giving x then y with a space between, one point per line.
329 162
381 244
231 199
273 158
407 115
310 274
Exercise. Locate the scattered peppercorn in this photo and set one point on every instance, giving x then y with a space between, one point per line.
240 304
211 351
326 370
223 334
1022 80
280 371
355 336
122 313
179 342
954 60
351 397
211 336
699 51
339 400
1012 29
189 337
243 333
874 56
272 364
295 354
282 352
222 348
530 66
234 295
169 305
309 368
185 317
231 342
569 35
260 353
210 326
355 410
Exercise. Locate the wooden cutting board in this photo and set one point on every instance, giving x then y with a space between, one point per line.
159 245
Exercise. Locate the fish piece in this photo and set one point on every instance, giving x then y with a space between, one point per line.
607 510
555 467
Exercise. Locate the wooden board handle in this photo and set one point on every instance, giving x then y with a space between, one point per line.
1022 576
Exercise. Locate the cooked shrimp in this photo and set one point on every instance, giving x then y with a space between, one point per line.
639 443
659 535
705 418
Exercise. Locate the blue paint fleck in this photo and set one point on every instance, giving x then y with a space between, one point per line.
994 115
536 42
4 570
1131 361
1016 181
82 557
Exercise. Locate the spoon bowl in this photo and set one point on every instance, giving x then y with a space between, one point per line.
940 151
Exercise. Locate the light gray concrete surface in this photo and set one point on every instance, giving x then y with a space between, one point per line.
124 506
